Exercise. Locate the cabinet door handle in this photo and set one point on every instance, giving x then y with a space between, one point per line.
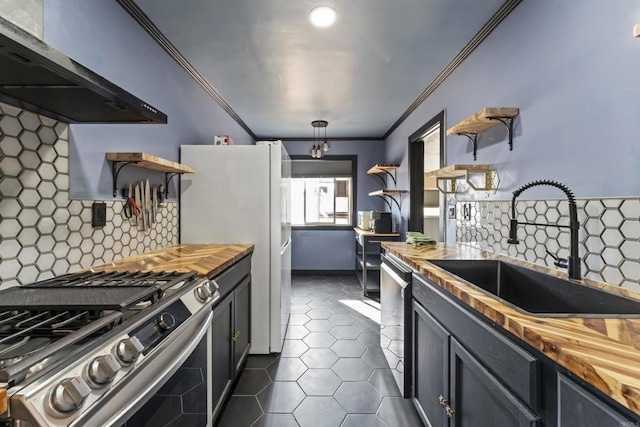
449 411
236 336
445 405
442 401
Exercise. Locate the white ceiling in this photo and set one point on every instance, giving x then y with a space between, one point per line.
278 73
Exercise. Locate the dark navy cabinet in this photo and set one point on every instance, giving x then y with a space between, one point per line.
431 367
452 388
478 399
221 352
230 333
469 372
241 322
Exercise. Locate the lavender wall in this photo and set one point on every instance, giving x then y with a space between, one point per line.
334 250
103 37
575 83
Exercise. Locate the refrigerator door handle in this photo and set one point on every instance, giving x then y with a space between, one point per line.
284 247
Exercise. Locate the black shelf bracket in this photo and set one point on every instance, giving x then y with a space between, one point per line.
508 123
168 176
116 167
392 175
385 198
384 181
384 178
473 139
386 201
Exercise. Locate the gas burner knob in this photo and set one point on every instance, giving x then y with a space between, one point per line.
204 291
102 369
69 394
165 321
128 350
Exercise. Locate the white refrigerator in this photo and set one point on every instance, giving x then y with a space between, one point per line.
241 194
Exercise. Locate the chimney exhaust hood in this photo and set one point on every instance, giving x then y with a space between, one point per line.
38 78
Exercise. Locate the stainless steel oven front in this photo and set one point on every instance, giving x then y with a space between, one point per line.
395 326
111 380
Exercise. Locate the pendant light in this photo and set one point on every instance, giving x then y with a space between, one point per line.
320 145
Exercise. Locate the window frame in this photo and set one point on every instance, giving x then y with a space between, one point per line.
354 193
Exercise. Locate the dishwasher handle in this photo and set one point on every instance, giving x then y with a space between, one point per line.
399 273
397 267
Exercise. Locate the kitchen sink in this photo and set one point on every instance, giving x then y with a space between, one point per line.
539 294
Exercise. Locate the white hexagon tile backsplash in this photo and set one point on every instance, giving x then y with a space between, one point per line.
42 232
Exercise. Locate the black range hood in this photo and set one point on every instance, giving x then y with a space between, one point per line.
38 78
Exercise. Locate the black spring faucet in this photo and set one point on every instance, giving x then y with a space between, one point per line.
572 264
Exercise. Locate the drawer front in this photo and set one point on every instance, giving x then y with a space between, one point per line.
228 279
578 407
516 368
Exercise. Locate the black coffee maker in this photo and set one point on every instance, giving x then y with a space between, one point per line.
381 222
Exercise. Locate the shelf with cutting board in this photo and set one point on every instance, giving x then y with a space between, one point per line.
146 161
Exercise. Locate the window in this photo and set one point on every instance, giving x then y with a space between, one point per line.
322 192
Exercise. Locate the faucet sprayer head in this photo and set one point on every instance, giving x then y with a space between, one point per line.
513 232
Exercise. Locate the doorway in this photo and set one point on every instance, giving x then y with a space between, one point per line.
426 203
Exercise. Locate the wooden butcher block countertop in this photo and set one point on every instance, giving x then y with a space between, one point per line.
605 352
206 260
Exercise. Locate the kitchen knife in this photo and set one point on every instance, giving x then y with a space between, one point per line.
154 201
147 203
137 200
143 206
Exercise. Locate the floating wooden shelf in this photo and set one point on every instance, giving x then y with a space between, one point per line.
145 161
482 120
384 170
485 119
449 174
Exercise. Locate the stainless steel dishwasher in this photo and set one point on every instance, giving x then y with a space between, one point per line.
395 322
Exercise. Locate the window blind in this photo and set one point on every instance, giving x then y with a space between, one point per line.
321 168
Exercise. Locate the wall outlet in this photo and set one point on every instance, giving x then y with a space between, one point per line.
452 211
466 211
98 214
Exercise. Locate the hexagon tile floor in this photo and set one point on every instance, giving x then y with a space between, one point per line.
331 372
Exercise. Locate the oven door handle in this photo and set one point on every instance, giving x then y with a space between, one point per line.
134 390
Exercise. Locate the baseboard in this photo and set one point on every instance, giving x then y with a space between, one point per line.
322 272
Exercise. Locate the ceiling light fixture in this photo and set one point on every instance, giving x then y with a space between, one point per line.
320 145
323 16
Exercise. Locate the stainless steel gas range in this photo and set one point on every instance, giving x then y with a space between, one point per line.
91 348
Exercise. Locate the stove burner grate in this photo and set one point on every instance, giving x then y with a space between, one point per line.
18 348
